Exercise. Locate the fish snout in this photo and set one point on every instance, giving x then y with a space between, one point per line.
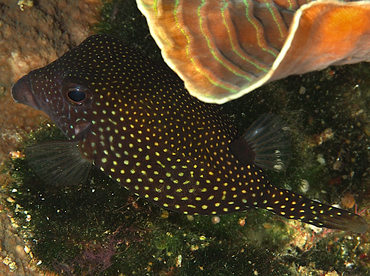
22 92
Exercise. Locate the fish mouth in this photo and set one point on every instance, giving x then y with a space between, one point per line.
22 92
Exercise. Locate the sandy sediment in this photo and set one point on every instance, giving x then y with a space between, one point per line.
31 35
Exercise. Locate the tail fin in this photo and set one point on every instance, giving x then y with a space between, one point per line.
293 206
266 143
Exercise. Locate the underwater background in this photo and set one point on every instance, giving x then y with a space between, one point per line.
99 228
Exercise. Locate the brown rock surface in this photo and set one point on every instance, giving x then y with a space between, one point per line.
31 36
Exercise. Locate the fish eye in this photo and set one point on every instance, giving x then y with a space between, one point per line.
76 96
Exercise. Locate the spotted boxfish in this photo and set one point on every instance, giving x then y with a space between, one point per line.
134 120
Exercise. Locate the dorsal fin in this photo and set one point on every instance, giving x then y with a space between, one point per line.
265 143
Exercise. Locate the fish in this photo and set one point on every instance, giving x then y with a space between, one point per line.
134 120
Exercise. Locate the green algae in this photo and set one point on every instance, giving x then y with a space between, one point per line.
122 19
99 228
